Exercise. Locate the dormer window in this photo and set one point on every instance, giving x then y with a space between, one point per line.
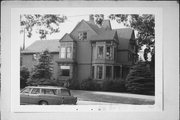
82 36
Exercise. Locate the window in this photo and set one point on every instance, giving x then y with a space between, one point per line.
99 72
26 90
49 91
109 52
82 35
117 72
93 69
35 91
65 92
100 51
63 52
65 70
109 72
68 51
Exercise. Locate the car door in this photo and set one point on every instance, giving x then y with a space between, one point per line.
24 96
34 96
66 96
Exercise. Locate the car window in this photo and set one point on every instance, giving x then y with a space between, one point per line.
26 90
35 91
49 91
65 92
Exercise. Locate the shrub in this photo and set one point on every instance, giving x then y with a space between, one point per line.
42 81
140 80
114 85
24 75
89 84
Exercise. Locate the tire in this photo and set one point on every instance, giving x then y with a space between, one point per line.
43 103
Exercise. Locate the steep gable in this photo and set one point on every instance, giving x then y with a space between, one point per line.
82 27
67 38
124 36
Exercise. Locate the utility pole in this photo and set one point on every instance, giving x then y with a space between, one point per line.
24 37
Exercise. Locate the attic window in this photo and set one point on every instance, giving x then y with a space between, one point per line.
82 36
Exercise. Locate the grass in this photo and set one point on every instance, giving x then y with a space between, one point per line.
113 98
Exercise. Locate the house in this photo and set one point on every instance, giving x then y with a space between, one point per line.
29 56
89 51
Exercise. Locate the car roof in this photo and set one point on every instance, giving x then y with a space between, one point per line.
47 87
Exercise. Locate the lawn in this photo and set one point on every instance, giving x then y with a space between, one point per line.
112 97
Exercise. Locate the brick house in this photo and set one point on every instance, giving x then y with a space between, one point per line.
89 51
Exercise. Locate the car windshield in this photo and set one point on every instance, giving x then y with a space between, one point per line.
26 90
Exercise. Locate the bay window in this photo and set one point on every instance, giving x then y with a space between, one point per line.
100 51
99 72
109 52
66 52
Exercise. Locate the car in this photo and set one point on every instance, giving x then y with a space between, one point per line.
46 95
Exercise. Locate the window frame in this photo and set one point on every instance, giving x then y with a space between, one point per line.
65 69
98 51
97 72
82 36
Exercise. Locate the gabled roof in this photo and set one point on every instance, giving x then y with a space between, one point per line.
97 29
67 38
125 33
106 35
41 45
124 36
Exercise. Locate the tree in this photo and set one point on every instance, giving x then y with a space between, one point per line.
140 79
42 72
42 24
24 75
144 24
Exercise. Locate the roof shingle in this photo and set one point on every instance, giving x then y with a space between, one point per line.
41 45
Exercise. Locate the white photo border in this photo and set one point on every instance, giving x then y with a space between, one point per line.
15 62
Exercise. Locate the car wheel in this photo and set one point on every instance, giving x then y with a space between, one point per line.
43 103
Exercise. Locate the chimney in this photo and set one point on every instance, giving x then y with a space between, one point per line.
91 18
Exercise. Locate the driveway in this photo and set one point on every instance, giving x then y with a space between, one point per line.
96 97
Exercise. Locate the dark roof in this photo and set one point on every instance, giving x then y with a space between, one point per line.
67 38
106 35
95 27
41 45
125 33
124 36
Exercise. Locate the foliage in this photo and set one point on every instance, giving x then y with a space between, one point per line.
89 84
24 75
42 72
114 85
44 24
144 24
74 84
140 79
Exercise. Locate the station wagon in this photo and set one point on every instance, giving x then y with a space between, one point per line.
46 95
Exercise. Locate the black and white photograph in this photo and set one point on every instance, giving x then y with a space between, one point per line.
104 60
88 59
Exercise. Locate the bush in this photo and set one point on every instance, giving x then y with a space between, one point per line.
42 81
74 84
114 85
89 84
140 79
24 75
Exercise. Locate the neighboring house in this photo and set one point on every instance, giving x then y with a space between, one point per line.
29 56
91 51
